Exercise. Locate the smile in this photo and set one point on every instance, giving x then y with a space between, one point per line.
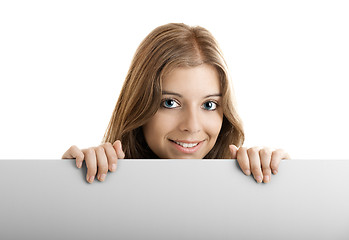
187 147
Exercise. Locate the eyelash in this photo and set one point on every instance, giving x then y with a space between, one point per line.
166 99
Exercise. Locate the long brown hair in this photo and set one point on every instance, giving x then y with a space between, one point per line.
164 49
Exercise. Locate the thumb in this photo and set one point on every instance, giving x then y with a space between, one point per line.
233 150
118 148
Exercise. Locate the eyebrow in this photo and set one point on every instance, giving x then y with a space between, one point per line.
179 95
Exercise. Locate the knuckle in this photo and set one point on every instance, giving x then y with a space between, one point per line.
256 169
277 153
91 170
253 150
99 149
107 145
102 170
265 152
265 167
111 154
242 150
113 159
80 157
90 151
73 147
110 157
79 154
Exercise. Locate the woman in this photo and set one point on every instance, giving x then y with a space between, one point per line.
176 102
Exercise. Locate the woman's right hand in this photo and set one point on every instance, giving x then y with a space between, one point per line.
102 158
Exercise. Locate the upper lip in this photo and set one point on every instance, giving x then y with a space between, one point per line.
186 141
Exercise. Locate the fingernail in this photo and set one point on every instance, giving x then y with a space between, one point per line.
275 172
79 164
259 179
267 179
113 167
90 180
102 177
248 172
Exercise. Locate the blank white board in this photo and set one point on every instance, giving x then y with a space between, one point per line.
174 199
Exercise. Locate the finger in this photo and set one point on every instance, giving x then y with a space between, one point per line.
74 152
102 163
255 163
265 156
276 158
285 155
91 163
243 161
233 150
118 148
111 156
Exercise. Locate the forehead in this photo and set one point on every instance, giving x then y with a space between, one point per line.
203 78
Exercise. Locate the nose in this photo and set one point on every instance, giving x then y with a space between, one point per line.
190 121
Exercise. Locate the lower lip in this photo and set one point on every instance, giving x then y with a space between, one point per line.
187 150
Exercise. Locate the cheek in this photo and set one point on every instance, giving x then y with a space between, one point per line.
213 124
157 128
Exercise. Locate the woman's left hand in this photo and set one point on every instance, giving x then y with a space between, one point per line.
260 161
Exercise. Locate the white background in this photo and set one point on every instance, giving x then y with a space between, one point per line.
62 64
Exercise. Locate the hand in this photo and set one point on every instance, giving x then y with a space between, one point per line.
104 157
261 161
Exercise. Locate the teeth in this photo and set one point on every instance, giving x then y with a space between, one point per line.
187 145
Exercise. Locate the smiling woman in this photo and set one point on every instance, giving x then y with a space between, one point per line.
154 69
190 117
176 102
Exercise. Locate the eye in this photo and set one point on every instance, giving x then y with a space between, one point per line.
169 103
210 106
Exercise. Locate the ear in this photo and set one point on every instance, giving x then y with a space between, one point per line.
233 150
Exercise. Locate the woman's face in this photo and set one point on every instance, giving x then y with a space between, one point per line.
190 117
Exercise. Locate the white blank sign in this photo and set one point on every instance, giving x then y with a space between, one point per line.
174 199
